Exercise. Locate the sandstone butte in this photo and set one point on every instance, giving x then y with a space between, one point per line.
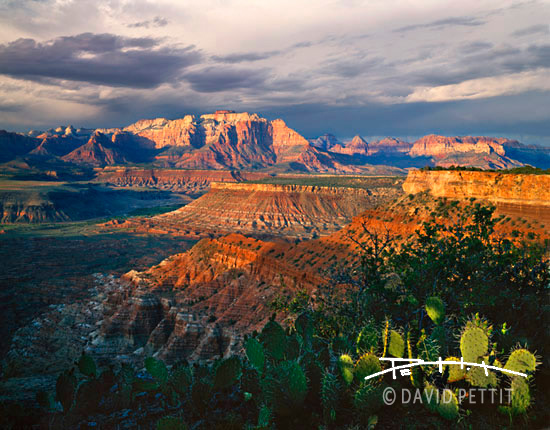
189 181
268 210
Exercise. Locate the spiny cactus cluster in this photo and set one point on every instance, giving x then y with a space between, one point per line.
290 378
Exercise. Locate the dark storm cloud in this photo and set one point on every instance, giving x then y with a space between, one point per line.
245 56
10 107
483 64
214 79
155 22
533 29
104 59
504 114
460 21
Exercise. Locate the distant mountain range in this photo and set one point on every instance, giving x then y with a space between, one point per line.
243 141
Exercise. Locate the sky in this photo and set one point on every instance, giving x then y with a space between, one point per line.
373 67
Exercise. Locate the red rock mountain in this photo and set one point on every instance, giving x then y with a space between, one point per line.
357 146
389 145
98 151
243 141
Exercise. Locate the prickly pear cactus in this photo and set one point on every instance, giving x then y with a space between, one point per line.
273 339
521 396
368 399
367 340
285 388
255 354
474 343
455 372
427 348
264 418
396 344
366 365
430 397
227 373
439 335
447 406
304 326
435 308
521 360
416 372
331 390
86 365
157 369
65 388
181 379
385 337
477 378
297 382
345 364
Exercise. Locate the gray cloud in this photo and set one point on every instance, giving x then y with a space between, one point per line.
104 59
157 21
498 61
479 45
245 56
214 79
351 67
460 21
533 29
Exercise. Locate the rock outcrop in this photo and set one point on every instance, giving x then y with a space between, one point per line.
523 195
180 180
269 210
491 186
244 141
357 146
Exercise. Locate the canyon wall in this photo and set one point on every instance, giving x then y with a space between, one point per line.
526 197
492 186
268 209
189 181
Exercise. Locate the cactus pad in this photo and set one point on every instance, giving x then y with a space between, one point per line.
448 405
435 308
521 360
430 396
273 339
368 399
367 341
455 372
255 354
86 365
228 373
157 369
474 343
396 344
330 394
521 396
345 364
366 365
477 378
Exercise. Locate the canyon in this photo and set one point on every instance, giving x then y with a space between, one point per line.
198 304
